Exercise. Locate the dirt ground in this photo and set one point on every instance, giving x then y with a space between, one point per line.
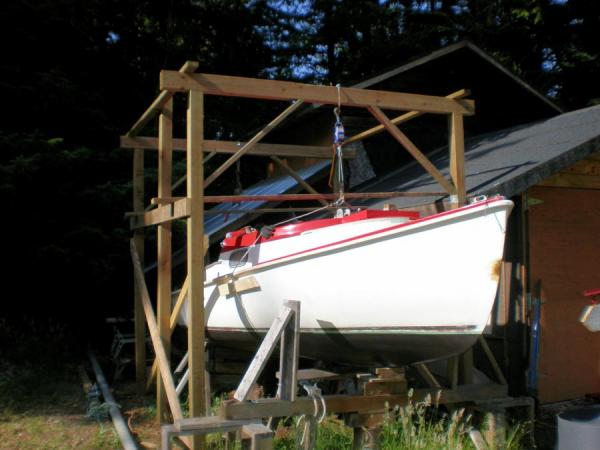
46 408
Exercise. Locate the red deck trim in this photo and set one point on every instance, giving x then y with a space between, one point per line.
384 230
247 236
591 292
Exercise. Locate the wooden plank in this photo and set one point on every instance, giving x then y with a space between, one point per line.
291 172
427 375
209 424
160 101
411 148
466 367
457 157
261 408
286 90
159 350
164 251
172 324
257 436
251 143
289 354
138 238
400 119
452 371
235 287
230 147
195 258
178 210
263 354
305 197
492 360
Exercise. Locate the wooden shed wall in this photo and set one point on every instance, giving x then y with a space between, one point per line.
564 236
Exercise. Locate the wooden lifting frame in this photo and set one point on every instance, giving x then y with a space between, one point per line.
191 207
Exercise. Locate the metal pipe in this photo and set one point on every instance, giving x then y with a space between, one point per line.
127 440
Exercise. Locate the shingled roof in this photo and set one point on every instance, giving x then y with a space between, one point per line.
505 162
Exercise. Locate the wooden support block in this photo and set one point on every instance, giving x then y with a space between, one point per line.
235 287
286 90
163 214
380 387
257 436
395 373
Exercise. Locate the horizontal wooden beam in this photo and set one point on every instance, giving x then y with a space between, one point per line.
257 409
172 211
402 119
287 90
230 147
307 197
160 101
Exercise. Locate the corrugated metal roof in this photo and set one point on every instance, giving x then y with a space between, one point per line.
215 224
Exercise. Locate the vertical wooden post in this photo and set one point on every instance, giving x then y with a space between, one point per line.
138 237
165 158
195 257
457 157
466 367
289 354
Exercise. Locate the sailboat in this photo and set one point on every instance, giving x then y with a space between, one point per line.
377 287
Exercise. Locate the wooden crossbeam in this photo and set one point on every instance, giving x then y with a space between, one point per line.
286 90
402 119
263 353
252 142
411 148
172 325
160 101
236 410
163 362
291 172
305 197
167 213
230 147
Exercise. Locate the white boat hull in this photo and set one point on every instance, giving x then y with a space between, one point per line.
389 294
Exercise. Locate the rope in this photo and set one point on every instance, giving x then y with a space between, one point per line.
315 393
338 141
